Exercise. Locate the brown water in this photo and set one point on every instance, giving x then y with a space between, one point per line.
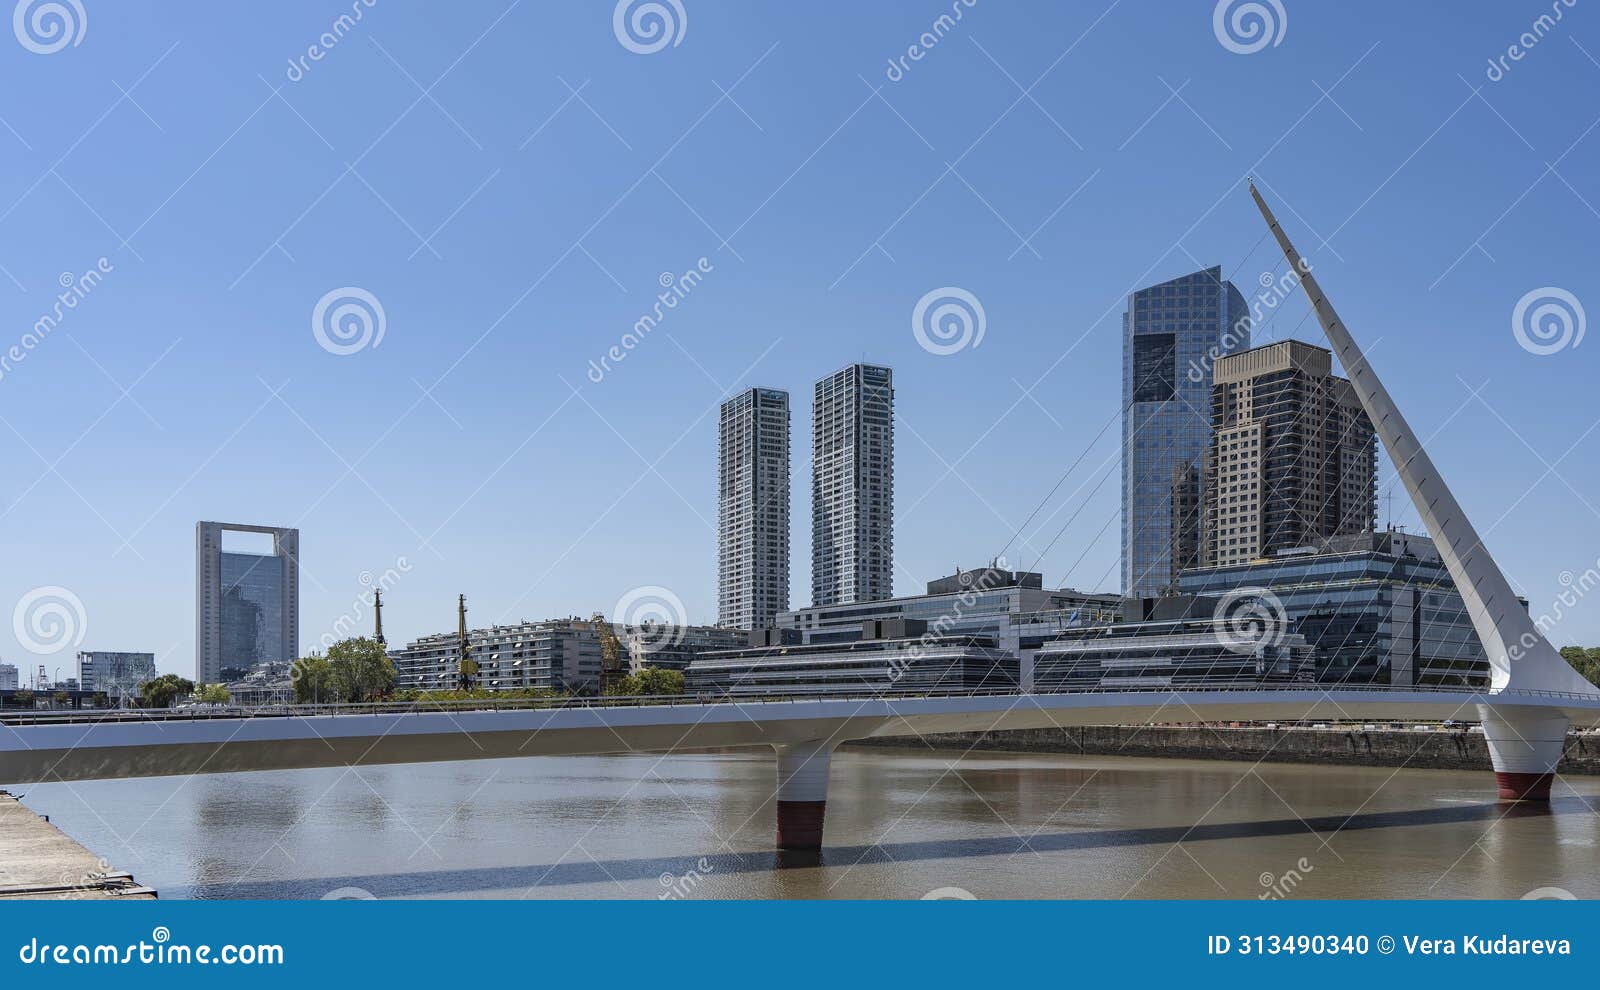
900 824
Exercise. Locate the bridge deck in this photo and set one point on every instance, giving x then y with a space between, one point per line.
87 746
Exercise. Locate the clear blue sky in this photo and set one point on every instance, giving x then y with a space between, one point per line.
510 181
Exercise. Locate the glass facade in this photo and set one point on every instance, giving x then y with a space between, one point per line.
252 610
1172 335
1389 614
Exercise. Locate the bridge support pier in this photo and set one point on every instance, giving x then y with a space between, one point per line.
1525 745
802 793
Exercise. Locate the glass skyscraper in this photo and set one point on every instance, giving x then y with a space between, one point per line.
247 605
1172 335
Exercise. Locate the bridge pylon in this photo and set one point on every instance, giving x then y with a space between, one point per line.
802 795
1525 741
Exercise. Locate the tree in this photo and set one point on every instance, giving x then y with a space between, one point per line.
23 698
612 668
164 690
62 698
313 680
361 670
213 694
1585 662
651 681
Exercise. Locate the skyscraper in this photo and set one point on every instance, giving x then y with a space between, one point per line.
1172 335
753 509
1293 457
852 486
247 604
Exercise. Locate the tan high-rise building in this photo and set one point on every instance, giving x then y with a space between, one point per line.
1293 458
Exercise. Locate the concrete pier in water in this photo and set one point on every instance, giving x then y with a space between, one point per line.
38 861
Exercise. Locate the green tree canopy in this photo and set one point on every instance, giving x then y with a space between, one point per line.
164 691
650 681
353 670
313 680
213 694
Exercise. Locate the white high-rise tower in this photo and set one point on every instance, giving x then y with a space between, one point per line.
753 509
852 486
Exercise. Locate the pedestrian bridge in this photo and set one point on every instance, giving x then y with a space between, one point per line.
1523 728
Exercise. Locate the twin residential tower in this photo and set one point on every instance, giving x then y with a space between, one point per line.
852 497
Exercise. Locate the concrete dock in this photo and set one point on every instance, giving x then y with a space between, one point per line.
39 862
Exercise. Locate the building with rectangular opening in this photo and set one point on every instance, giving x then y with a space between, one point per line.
247 601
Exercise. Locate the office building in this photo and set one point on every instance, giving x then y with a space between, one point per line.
753 509
852 486
561 655
1010 607
9 680
1177 642
891 656
1173 333
116 675
1379 608
247 601
1292 459
674 647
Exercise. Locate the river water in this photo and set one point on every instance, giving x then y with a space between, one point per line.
900 824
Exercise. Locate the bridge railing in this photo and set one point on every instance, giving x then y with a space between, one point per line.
46 716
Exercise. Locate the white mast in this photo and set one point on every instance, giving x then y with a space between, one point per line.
1502 622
